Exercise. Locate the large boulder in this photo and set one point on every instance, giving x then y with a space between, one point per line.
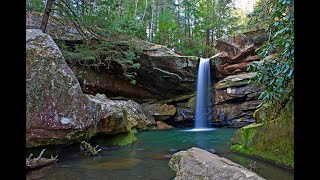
197 164
115 116
56 106
57 110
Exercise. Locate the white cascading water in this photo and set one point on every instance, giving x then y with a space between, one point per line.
203 101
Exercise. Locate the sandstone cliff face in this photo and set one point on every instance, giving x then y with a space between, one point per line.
234 99
237 52
162 75
57 110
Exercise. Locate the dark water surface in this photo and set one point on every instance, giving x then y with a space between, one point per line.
148 158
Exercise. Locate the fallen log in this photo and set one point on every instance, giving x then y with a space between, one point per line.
87 148
39 161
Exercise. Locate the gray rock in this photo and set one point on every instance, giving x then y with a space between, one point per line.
198 164
57 110
160 111
56 106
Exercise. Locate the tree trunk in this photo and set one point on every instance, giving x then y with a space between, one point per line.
46 15
207 44
145 10
120 8
135 7
151 22
178 17
189 27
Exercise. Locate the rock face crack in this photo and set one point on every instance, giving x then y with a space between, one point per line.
166 72
231 164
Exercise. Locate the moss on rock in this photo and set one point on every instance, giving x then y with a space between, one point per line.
272 140
121 139
134 130
192 103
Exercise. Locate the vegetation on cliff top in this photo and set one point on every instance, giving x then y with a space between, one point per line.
190 27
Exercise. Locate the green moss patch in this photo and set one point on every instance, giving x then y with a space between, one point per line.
120 139
272 140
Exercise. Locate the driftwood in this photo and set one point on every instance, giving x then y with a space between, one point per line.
87 148
39 161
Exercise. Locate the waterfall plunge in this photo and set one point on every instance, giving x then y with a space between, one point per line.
203 101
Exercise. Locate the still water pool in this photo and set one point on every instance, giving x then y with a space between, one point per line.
148 158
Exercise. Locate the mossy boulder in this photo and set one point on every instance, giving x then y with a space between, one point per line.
260 115
272 140
116 116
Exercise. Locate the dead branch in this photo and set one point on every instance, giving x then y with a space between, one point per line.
30 156
38 158
39 161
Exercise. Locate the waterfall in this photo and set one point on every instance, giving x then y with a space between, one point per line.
203 102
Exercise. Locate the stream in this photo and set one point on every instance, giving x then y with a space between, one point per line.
148 158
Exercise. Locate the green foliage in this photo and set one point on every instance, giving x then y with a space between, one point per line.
190 27
260 17
119 139
105 54
276 70
35 5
